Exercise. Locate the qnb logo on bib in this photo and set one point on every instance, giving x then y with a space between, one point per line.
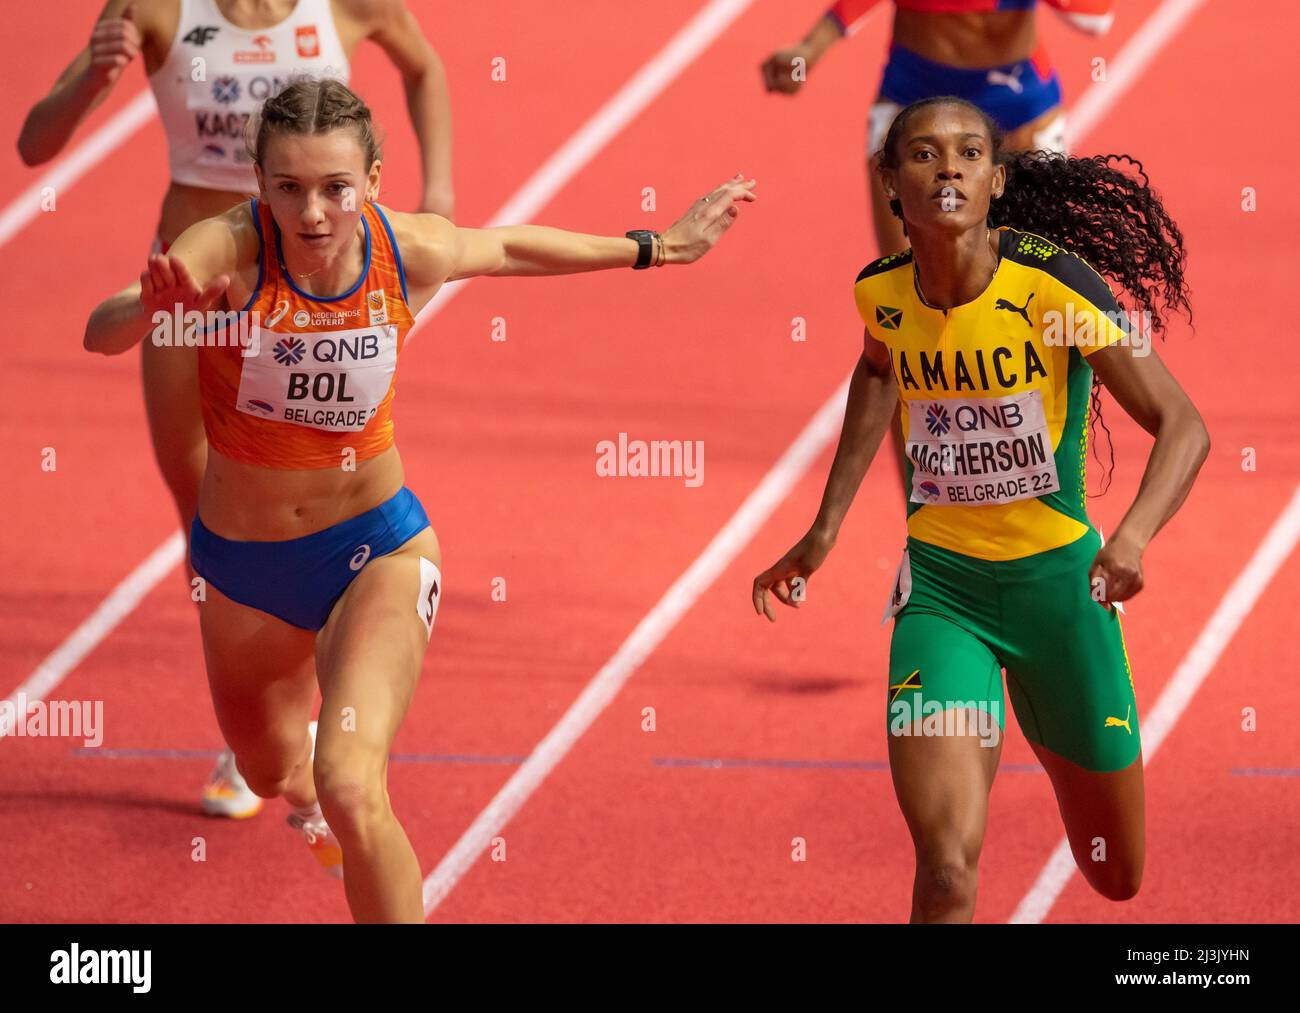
973 451
289 351
225 89
331 380
937 419
359 558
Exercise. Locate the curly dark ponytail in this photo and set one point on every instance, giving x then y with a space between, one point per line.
1100 208
1107 216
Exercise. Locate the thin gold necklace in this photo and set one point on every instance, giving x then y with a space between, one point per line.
304 277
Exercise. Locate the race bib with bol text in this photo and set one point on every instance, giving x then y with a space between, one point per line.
331 380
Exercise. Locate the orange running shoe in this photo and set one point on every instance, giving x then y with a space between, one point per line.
227 794
324 845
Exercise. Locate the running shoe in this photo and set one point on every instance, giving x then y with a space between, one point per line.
324 845
227 794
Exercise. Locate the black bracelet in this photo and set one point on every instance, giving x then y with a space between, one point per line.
645 247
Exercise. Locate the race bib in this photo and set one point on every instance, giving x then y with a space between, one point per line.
902 589
222 105
426 604
331 380
978 451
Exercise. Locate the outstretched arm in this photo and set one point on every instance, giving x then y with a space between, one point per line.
194 273
443 252
1146 389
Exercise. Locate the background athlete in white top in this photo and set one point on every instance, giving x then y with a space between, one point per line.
211 63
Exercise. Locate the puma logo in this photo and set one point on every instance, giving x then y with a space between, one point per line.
1011 80
1007 304
1117 723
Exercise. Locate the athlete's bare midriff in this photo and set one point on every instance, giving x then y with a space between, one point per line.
967 40
246 502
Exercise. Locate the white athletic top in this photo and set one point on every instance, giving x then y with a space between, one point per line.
217 75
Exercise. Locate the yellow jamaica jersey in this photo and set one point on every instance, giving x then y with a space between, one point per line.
995 396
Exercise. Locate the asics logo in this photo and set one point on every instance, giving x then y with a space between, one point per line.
277 314
359 557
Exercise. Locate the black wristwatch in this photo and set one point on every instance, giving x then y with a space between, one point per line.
645 247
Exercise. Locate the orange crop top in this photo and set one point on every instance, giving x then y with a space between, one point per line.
318 381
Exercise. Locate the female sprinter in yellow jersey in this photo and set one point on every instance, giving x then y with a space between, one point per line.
992 331
310 543
985 51
211 63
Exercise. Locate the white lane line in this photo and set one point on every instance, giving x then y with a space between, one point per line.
607 122
120 603
649 633
1091 107
567 161
1199 661
1128 65
79 161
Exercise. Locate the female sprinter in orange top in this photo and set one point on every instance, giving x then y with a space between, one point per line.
247 51
305 533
